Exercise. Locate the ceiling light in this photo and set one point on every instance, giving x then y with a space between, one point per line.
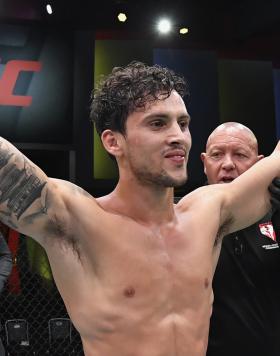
184 30
122 17
49 9
164 26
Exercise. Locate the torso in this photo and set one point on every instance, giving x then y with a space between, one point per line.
133 290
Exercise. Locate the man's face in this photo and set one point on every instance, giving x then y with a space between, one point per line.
229 153
157 142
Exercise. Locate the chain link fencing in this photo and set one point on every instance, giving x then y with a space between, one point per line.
31 300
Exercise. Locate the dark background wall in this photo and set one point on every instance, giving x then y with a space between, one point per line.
230 59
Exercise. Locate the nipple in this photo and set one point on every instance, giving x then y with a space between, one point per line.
129 292
206 283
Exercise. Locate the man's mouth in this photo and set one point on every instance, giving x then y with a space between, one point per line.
226 179
177 155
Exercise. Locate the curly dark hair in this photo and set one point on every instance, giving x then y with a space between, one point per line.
130 88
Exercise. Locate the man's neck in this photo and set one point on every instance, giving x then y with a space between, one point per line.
145 204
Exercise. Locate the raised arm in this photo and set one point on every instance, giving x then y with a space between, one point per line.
5 261
30 202
247 198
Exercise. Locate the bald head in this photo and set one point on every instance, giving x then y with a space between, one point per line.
232 129
231 149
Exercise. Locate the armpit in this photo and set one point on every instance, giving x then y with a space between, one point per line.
56 228
223 230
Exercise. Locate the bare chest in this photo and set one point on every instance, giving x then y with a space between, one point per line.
134 282
139 263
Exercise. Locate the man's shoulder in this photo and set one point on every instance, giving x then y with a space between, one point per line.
209 197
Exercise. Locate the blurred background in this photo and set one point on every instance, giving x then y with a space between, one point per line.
52 54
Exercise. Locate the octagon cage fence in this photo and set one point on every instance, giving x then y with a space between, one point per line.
33 317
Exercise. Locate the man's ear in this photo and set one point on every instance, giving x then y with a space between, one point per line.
202 157
260 157
112 142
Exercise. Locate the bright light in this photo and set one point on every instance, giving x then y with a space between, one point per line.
164 26
122 17
184 30
49 9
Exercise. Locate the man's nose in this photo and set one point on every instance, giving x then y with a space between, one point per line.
228 162
177 135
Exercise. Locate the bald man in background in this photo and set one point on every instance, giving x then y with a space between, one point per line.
246 311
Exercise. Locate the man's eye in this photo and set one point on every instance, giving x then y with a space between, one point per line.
183 124
240 155
157 123
216 154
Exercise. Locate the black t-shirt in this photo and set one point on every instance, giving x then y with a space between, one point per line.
246 311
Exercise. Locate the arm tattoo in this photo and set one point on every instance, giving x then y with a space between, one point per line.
19 187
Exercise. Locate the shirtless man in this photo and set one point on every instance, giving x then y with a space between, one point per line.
134 270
